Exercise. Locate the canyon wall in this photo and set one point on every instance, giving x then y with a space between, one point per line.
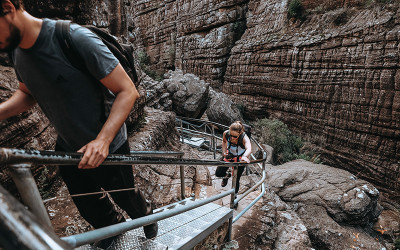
333 78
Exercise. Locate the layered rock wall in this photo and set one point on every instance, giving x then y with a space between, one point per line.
195 36
334 77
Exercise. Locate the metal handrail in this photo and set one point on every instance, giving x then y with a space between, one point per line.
37 157
207 122
113 230
163 153
20 161
261 182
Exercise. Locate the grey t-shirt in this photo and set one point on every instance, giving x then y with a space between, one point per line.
75 102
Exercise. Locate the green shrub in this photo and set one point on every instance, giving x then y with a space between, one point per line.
144 62
238 28
276 134
397 243
287 146
153 74
296 9
341 19
143 58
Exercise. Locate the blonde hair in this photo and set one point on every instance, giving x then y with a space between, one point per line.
237 126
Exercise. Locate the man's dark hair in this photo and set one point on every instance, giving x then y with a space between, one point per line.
17 4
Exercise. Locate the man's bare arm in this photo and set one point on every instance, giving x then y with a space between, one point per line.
19 102
126 94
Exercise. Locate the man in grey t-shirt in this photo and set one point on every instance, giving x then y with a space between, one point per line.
74 102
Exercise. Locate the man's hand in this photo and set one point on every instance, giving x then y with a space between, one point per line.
95 152
244 158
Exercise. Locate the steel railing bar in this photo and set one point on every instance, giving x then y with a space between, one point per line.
18 158
195 132
251 204
113 230
198 120
149 153
258 197
14 156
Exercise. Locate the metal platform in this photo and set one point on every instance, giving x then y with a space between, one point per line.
182 231
194 141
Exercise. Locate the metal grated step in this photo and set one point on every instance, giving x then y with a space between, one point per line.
177 232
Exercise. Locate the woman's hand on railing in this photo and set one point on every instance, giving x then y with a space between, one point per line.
244 158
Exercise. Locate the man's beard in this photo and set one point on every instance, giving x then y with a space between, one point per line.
13 40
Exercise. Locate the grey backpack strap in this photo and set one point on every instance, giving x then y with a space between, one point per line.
64 38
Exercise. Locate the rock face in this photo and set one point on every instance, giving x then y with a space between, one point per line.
107 14
195 36
333 77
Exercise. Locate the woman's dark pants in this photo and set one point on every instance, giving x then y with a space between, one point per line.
221 172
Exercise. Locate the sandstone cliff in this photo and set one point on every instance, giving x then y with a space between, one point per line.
335 76
332 77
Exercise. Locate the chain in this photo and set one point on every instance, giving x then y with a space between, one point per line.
103 192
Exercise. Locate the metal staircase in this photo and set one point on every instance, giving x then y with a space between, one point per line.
182 225
182 231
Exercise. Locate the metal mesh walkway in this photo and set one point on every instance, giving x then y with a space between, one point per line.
182 231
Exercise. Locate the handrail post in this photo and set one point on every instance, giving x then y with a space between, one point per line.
26 185
214 143
234 178
182 174
182 131
20 229
230 222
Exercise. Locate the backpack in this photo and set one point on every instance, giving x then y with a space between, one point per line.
123 52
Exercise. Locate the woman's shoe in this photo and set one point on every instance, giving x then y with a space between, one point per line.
225 179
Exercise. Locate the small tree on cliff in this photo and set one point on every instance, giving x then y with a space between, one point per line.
296 9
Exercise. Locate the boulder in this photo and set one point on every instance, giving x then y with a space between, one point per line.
186 95
336 207
270 224
190 97
222 109
346 198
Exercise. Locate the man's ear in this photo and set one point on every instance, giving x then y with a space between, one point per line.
8 7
